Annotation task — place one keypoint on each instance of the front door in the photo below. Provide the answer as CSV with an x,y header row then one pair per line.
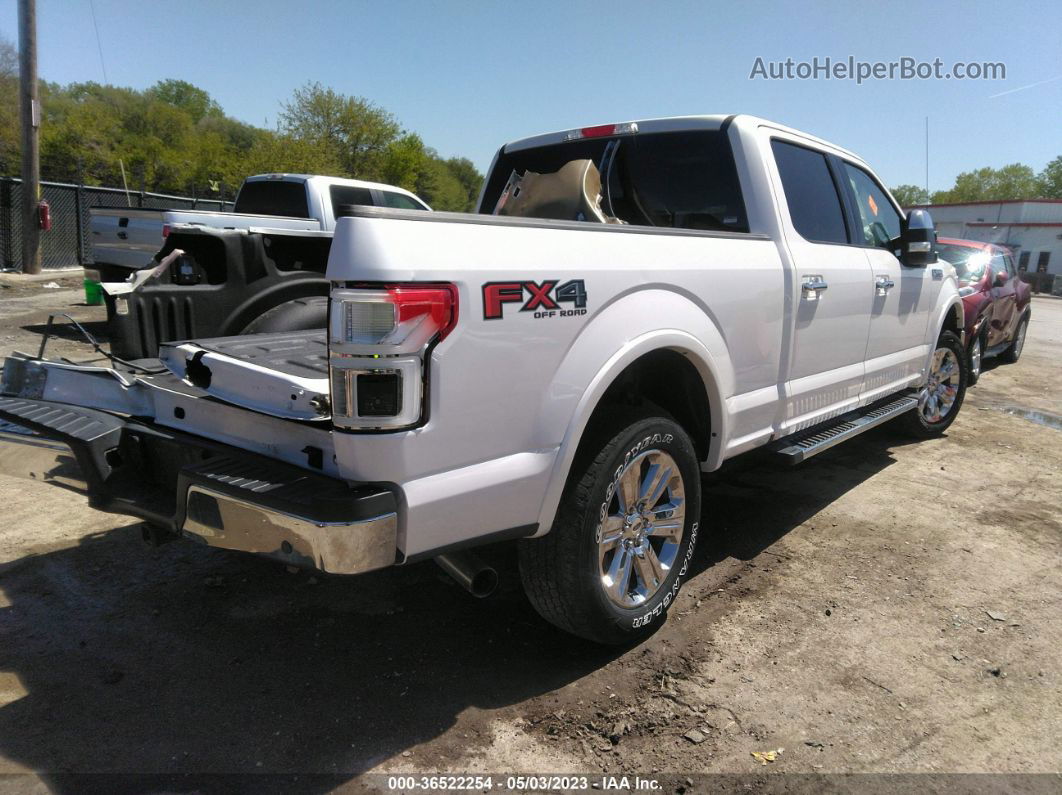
x,y
902,296
831,293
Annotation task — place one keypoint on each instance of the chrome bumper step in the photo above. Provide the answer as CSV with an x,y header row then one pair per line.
x,y
800,447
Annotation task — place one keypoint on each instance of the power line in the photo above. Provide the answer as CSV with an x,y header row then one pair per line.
x,y
99,46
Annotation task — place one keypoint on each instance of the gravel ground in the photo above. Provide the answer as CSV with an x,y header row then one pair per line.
x,y
889,607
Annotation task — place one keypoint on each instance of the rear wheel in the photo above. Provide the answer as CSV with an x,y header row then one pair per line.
x,y
940,398
625,531
1013,353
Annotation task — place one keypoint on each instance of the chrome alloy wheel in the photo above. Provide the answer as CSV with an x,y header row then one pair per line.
x,y
937,397
975,357
639,539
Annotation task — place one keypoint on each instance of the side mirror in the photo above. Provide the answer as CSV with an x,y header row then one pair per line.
x,y
917,240
1001,278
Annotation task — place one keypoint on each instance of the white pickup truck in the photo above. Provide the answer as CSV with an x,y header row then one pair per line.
x,y
632,305
125,239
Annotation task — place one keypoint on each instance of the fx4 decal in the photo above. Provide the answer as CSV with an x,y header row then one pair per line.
x,y
538,298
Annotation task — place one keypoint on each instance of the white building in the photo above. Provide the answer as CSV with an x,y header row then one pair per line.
x,y
1031,227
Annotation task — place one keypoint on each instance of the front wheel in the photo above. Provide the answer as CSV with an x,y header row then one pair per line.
x,y
625,531
974,361
940,398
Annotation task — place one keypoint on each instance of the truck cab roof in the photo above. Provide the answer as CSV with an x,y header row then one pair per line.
x,y
667,124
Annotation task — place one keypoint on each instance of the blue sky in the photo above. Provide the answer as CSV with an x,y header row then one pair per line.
x,y
469,76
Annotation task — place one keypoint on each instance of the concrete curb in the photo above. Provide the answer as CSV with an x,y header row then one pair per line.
x,y
15,279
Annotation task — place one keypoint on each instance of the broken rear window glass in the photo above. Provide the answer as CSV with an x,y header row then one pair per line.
x,y
683,180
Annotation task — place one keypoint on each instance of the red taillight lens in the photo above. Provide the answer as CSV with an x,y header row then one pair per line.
x,y
165,231
413,303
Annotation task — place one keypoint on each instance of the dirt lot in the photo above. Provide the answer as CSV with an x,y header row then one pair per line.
x,y
889,608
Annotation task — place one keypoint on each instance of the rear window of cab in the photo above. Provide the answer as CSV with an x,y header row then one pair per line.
x,y
679,180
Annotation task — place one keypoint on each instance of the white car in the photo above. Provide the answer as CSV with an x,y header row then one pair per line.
x,y
632,305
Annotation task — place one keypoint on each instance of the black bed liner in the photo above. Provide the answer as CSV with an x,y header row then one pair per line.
x,y
298,353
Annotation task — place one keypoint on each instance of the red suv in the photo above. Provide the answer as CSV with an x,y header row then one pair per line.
x,y
995,299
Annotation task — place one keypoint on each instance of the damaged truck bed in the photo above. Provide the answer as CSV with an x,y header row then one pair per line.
x,y
159,428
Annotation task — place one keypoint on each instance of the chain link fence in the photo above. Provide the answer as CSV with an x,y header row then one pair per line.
x,y
68,244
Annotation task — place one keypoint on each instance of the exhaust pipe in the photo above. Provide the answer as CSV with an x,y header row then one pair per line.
x,y
470,573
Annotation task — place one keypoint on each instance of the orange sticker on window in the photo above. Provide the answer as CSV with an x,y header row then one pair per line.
x,y
873,204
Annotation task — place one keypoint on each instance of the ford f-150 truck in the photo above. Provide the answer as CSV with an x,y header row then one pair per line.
x,y
125,239
632,305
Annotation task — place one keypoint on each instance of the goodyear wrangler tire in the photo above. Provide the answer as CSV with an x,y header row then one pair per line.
x,y
625,531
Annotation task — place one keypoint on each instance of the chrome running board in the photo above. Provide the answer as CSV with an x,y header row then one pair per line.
x,y
798,448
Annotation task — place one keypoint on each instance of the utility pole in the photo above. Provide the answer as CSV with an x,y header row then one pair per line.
x,y
30,117
927,160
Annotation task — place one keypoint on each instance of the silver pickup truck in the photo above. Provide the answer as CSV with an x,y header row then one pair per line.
x,y
125,239
633,305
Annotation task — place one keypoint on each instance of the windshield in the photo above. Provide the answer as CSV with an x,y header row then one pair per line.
x,y
969,262
684,180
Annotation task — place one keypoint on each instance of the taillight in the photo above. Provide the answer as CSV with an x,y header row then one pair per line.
x,y
165,231
399,319
378,338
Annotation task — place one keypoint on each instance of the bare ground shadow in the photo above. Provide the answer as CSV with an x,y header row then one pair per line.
x,y
185,667
64,329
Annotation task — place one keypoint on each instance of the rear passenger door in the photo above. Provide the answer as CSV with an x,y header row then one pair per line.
x,y
901,298
832,289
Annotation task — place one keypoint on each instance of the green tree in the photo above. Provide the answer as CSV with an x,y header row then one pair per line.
x,y
1050,180
910,195
356,131
468,175
437,185
404,161
194,101
9,128
281,152
1015,181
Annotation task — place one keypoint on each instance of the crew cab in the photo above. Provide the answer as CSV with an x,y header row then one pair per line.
x,y
632,305
126,239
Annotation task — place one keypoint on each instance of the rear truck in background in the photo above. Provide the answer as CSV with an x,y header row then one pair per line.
x,y
631,306
126,239
174,274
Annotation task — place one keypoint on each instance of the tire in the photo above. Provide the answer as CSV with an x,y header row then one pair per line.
x,y
974,359
297,315
565,573
934,414
1013,351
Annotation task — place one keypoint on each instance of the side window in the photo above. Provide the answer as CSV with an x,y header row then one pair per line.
x,y
348,194
881,222
998,266
1008,259
810,193
400,201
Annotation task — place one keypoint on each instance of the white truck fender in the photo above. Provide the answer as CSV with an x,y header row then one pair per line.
x,y
949,306
584,374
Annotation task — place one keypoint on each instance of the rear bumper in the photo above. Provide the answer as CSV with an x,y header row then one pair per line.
x,y
204,491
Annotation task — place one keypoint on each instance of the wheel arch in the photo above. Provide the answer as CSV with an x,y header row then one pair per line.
x,y
261,301
700,370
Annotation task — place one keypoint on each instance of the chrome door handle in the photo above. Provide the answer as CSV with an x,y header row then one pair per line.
x,y
883,284
811,286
